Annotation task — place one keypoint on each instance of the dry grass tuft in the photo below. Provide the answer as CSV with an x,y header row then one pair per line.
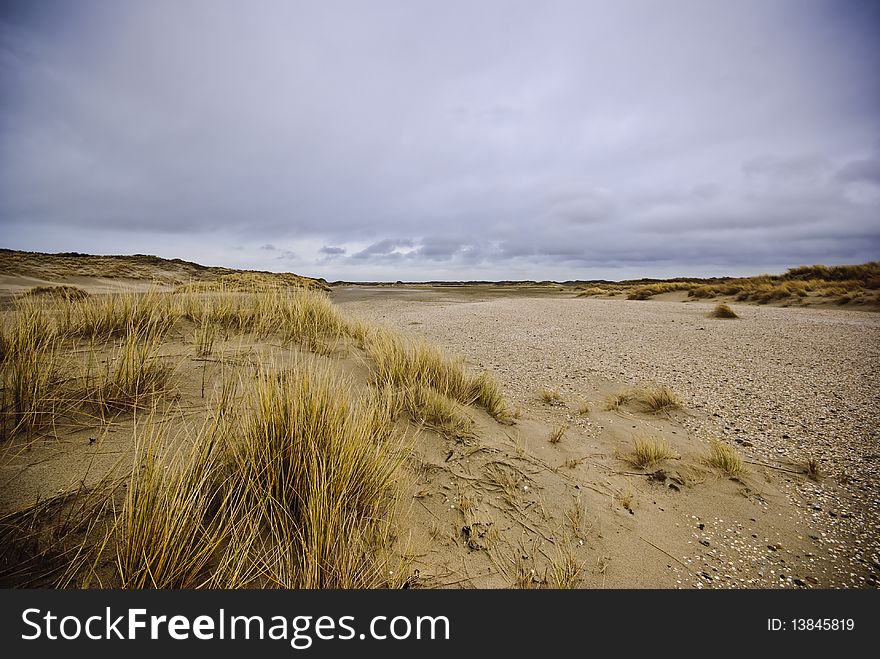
x,y
615,401
558,433
812,468
405,364
583,408
649,451
551,396
318,475
657,400
565,571
722,310
439,412
61,292
30,385
135,374
725,459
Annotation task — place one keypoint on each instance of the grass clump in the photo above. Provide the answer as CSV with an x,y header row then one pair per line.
x,y
291,483
722,310
616,400
725,459
591,291
551,396
174,519
812,468
583,408
557,434
649,451
134,374
204,337
657,400
61,292
403,363
648,291
30,385
437,411
317,474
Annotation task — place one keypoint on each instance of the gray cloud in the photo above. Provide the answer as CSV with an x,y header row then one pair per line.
x,y
447,140
867,170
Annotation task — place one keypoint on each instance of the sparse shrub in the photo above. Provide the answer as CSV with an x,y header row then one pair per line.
x,y
583,408
551,396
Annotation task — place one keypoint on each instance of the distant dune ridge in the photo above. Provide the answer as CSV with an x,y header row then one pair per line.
x,y
802,286
136,266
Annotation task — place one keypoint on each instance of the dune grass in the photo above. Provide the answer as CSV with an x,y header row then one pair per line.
x,y
294,476
558,433
722,310
812,468
657,400
725,459
551,396
134,374
437,411
63,292
293,486
618,399
318,470
30,384
648,291
648,451
406,363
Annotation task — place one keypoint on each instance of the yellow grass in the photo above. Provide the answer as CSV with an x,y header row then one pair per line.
x,y
407,363
722,310
437,411
725,459
30,388
616,400
133,374
293,478
551,396
649,451
657,400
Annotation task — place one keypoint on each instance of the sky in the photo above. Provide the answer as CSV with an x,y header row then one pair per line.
x,y
457,140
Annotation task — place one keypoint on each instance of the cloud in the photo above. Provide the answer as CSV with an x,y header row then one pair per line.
x,y
867,170
387,248
539,140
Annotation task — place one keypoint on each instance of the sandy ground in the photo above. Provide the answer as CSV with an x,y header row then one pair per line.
x,y
779,383
505,507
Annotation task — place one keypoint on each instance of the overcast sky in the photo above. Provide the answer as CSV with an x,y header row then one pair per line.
x,y
445,140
